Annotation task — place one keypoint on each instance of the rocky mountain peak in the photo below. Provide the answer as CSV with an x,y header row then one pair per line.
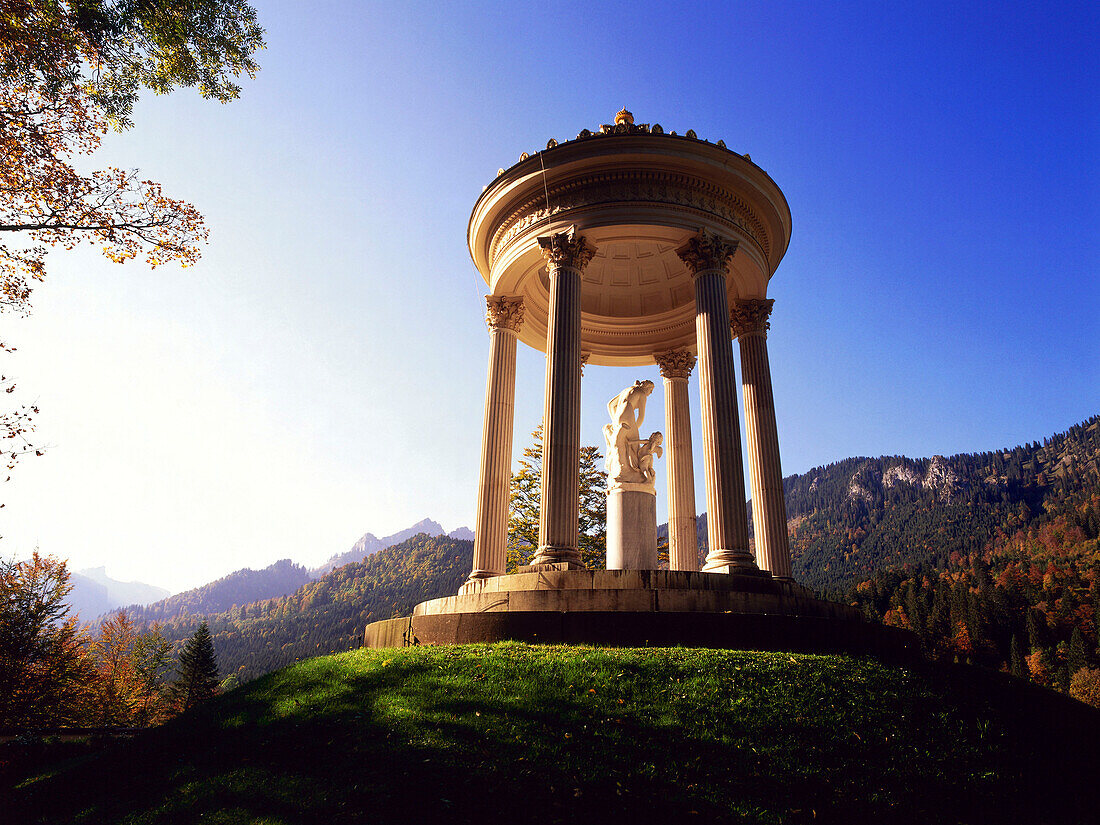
x,y
941,479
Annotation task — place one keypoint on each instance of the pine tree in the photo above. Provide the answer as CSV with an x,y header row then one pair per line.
x,y
1077,656
1016,664
198,670
1036,632
525,498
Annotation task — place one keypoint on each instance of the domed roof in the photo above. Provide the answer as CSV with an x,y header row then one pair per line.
x,y
637,194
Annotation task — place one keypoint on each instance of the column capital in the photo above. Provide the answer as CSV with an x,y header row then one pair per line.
x,y
707,251
504,312
566,249
677,363
750,317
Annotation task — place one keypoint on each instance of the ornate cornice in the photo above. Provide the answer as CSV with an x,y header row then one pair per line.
x,y
677,363
624,125
707,251
504,312
632,186
750,316
566,249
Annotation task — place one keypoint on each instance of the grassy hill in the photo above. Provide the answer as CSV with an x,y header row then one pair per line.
x,y
559,734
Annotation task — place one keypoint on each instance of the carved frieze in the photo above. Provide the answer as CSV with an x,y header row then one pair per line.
x,y
677,363
632,187
504,312
750,316
566,249
707,251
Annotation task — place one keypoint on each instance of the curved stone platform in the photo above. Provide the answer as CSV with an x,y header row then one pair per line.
x,y
642,608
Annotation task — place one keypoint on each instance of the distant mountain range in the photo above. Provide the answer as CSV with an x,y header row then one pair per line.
x,y
95,593
369,544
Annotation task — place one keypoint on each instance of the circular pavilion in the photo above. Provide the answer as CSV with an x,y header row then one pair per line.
x,y
632,246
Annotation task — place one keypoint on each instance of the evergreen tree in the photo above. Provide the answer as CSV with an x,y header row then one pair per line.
x,y
1077,657
198,670
1036,632
1016,664
525,498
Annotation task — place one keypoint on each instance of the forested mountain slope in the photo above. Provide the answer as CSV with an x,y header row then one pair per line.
x,y
854,518
242,587
370,543
991,558
329,614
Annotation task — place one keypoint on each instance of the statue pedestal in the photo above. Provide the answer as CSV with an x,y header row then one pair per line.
x,y
632,527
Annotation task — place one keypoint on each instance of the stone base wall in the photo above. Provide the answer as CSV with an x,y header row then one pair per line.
x,y
637,608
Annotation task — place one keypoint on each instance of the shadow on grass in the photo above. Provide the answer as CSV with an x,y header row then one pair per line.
x,y
582,735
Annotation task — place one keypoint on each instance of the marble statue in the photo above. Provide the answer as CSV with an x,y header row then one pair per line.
x,y
629,456
647,451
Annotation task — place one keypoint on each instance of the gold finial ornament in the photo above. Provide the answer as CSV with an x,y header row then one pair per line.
x,y
624,117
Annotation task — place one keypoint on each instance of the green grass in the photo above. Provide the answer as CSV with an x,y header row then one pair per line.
x,y
573,734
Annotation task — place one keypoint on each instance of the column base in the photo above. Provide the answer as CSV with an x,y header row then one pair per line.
x,y
551,565
481,575
740,562
549,554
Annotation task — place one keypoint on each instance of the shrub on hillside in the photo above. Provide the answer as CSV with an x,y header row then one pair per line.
x,y
1085,686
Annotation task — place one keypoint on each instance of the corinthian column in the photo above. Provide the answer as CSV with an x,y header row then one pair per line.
x,y
707,256
504,316
749,321
566,256
683,543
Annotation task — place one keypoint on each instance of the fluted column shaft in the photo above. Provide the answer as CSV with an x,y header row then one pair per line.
x,y
750,324
727,524
504,316
566,255
683,541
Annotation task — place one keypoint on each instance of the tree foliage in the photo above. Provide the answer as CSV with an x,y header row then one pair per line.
x,y
1085,686
69,71
15,426
129,689
525,498
151,661
54,673
44,668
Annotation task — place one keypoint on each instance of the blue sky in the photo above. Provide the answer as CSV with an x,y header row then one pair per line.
x,y
321,372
